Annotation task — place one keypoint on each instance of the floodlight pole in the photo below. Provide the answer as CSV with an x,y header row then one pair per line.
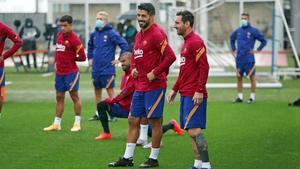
x,y
86,17
273,64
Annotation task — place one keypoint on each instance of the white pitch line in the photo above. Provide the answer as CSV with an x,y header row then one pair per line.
x,y
47,74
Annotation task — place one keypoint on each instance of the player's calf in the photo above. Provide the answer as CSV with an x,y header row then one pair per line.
x,y
202,150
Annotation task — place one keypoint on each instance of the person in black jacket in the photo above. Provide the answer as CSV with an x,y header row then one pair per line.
x,y
29,33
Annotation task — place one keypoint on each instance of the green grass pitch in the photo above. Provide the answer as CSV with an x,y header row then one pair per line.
x,y
264,135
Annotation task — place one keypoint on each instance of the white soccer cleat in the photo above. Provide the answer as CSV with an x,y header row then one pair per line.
x,y
76,128
141,142
53,127
149,145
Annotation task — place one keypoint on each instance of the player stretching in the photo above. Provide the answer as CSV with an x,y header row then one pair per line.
x,y
68,50
191,84
6,32
152,58
119,106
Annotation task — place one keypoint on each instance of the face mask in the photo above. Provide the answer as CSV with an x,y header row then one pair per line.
x,y
244,22
99,23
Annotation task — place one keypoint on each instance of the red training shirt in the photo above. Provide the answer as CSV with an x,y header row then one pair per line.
x,y
152,52
7,32
124,98
68,50
194,67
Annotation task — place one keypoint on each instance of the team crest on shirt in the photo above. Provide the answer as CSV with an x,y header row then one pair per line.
x,y
105,38
66,42
145,42
184,50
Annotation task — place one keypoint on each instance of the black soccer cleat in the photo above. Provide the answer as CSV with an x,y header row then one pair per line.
x,y
122,162
150,163
238,100
94,118
250,101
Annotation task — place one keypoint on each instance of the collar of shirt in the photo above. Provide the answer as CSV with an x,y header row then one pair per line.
x,y
189,35
149,29
66,35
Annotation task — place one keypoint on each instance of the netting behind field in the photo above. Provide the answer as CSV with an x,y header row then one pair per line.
x,y
221,21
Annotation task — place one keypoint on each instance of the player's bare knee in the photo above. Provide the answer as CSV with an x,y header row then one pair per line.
x,y
155,122
133,122
60,97
194,132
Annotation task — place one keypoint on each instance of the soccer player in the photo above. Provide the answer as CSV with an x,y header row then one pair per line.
x,y
119,106
246,35
191,84
68,50
152,56
101,54
6,32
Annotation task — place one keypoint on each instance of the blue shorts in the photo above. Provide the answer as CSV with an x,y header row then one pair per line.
x,y
118,111
245,68
2,78
148,104
198,120
103,81
68,82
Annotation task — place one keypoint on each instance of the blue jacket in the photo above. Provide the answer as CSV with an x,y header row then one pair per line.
x,y
246,37
102,48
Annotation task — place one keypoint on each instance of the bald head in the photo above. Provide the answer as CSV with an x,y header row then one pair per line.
x,y
125,60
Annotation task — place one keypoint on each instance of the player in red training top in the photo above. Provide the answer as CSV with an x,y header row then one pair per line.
x,y
6,32
191,84
152,57
68,50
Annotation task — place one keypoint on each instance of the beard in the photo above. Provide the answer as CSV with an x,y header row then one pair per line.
x,y
179,32
143,24
125,68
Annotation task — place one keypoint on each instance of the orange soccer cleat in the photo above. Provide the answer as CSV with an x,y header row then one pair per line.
x,y
104,136
176,127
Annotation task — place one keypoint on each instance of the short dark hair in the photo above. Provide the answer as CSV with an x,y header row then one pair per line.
x,y
66,18
186,16
246,14
147,7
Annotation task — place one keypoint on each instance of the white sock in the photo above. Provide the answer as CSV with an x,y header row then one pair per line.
x,y
240,95
198,164
206,165
96,113
144,132
252,96
57,120
77,120
129,150
154,153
